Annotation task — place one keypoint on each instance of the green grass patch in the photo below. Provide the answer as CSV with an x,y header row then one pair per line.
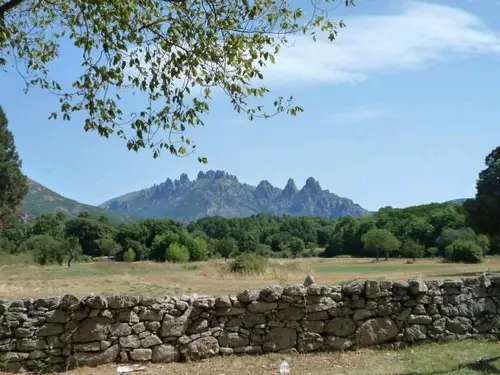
x,y
372,268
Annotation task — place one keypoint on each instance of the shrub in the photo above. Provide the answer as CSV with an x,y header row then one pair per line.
x,y
177,253
296,246
412,249
129,255
249,263
45,249
307,253
464,251
432,251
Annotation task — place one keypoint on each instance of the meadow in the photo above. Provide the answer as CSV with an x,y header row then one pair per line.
x,y
212,277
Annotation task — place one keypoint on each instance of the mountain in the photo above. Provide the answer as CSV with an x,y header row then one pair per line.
x,y
457,201
41,200
217,193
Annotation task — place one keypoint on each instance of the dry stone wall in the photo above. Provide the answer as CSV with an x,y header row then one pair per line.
x,y
64,332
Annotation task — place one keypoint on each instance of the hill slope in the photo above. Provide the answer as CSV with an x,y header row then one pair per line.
x,y
217,193
41,200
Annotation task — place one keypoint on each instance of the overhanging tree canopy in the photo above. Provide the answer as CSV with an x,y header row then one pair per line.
x,y
173,51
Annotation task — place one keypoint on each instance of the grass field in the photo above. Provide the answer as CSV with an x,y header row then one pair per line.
x,y
146,278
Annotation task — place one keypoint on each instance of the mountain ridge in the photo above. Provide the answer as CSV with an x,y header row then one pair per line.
x,y
219,193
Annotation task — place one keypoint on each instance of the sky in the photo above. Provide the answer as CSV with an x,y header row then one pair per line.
x,y
400,110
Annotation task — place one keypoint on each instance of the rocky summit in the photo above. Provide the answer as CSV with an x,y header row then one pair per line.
x,y
217,193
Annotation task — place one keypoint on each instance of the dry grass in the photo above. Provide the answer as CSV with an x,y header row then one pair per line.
x,y
146,278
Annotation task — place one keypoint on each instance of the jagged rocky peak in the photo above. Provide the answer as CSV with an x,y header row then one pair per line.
x,y
290,188
312,186
184,178
216,175
264,190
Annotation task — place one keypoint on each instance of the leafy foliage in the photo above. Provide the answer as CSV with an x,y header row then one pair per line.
x,y
464,251
171,53
13,183
129,256
248,263
380,240
177,253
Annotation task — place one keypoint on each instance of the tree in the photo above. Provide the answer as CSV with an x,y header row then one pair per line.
x,y
13,183
45,249
227,247
108,246
172,52
377,240
129,256
177,253
464,251
483,212
72,247
296,246
412,249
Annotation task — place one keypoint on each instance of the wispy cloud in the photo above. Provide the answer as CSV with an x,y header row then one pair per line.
x,y
359,115
417,35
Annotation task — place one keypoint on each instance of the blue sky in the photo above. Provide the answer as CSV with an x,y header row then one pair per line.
x,y
400,110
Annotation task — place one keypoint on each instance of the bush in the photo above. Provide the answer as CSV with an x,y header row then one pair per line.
x,y
464,251
129,255
412,249
249,263
432,251
45,249
177,253
307,253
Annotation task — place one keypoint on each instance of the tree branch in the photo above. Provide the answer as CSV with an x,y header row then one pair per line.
x,y
4,8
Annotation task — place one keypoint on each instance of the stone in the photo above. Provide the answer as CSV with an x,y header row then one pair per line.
x,y
94,359
128,316
131,341
324,303
308,281
202,348
249,350
321,315
56,316
50,329
151,340
419,319
248,295
250,320
338,343
291,314
199,325
141,355
314,326
153,326
174,326
23,332
363,314
415,333
279,339
122,302
260,307
417,285
92,329
376,331
139,328
354,287
226,351
96,302
120,329
26,344
372,289
296,290
459,325
14,357
342,327
232,340
67,301
151,315
165,353
88,347
37,354
309,341
271,293
229,311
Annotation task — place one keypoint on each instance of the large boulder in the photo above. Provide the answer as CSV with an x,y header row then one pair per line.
x,y
376,331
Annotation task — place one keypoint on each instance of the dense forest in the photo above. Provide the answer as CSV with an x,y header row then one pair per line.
x,y
458,232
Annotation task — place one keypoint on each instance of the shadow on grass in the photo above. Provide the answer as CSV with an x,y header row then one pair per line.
x,y
481,366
